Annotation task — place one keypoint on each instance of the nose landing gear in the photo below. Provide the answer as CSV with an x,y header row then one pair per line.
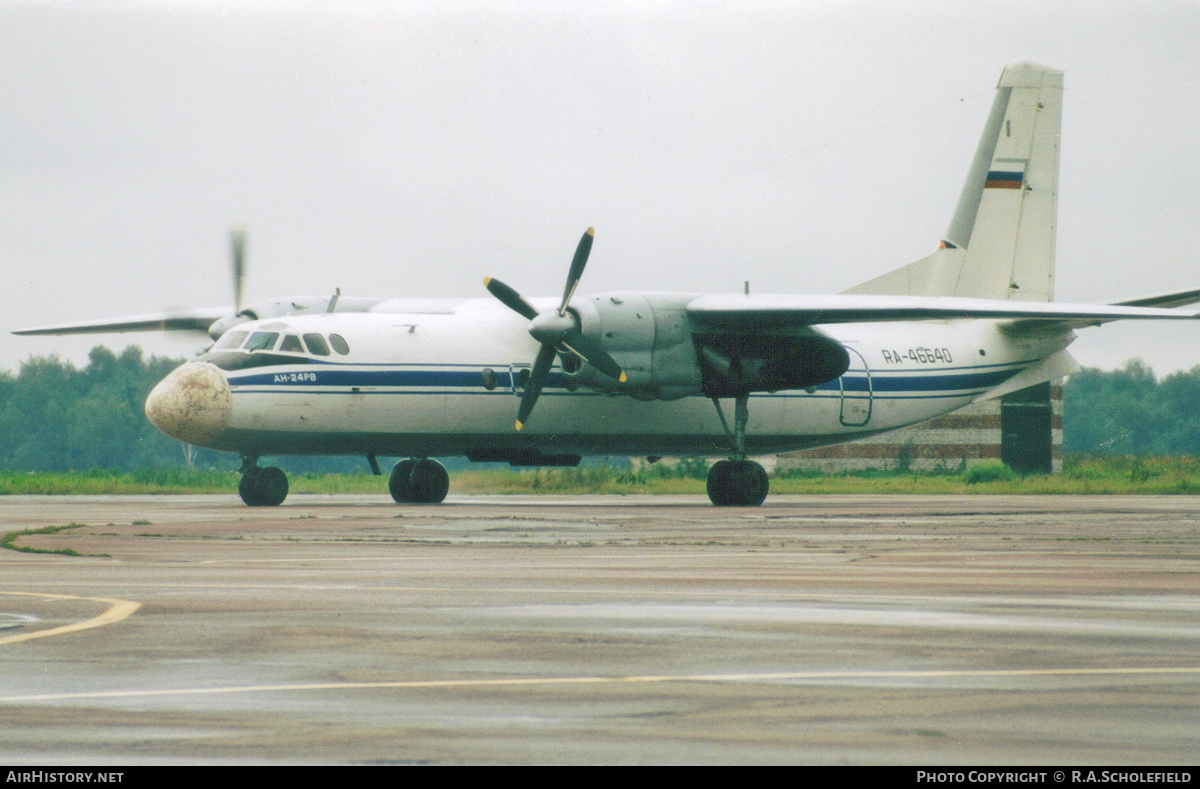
x,y
422,481
262,487
737,481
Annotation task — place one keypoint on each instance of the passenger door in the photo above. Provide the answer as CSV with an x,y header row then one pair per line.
x,y
855,385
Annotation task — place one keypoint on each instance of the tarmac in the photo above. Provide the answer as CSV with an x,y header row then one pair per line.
x,y
899,630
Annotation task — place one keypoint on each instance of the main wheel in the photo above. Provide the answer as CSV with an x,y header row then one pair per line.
x,y
429,482
720,483
398,481
751,483
737,483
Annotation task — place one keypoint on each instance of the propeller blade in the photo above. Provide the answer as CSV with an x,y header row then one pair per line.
x,y
556,332
510,297
533,387
237,242
577,264
593,354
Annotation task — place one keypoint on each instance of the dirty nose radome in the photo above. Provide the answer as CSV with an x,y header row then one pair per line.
x,y
192,404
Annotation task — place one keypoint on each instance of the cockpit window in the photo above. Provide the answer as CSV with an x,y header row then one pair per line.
x,y
232,339
262,341
339,344
237,360
291,344
316,345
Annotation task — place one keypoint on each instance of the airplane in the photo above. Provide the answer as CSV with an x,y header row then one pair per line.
x,y
548,381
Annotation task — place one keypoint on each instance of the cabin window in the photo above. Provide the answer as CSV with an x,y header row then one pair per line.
x,y
316,345
339,344
291,344
232,339
489,378
262,341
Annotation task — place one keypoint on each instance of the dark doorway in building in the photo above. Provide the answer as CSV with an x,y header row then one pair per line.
x,y
1026,424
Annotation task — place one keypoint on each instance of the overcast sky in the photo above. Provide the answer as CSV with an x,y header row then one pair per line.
x,y
410,149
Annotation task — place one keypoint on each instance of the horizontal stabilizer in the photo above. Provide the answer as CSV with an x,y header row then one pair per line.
x,y
1051,368
743,312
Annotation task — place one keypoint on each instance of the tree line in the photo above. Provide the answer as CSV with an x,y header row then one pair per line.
x,y
57,417
1131,412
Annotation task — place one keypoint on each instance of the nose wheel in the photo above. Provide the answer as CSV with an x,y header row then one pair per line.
x,y
737,481
423,481
263,487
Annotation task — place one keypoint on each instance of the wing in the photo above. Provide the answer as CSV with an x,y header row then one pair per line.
x,y
202,320
734,311
189,320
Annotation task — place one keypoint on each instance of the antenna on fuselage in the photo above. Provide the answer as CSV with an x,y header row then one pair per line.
x,y
333,300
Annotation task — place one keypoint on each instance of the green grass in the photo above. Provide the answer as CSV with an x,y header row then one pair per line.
x,y
101,481
9,541
1085,475
167,481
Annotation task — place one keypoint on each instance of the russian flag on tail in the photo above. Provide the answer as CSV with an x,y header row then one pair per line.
x,y
1006,174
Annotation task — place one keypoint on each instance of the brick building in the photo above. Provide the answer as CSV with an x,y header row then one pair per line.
x,y
1024,429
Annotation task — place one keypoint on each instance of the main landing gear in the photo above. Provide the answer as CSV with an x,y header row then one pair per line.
x,y
734,483
737,481
422,481
262,487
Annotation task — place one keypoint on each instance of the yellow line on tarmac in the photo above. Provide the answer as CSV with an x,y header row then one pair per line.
x,y
655,678
118,610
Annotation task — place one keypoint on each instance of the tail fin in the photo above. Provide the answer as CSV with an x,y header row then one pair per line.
x,y
1000,243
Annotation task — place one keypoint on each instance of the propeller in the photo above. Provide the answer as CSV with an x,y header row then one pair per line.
x,y
237,243
237,259
213,322
556,330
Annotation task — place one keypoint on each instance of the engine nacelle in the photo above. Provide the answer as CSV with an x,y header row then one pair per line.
x,y
737,364
666,355
650,337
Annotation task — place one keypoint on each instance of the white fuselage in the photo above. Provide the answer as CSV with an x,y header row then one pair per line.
x,y
413,384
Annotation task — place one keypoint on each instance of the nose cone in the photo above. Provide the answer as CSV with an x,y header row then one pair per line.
x,y
192,404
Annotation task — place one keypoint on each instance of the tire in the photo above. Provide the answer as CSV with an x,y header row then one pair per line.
x,y
429,482
247,487
720,483
272,486
398,481
750,483
734,483
263,487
